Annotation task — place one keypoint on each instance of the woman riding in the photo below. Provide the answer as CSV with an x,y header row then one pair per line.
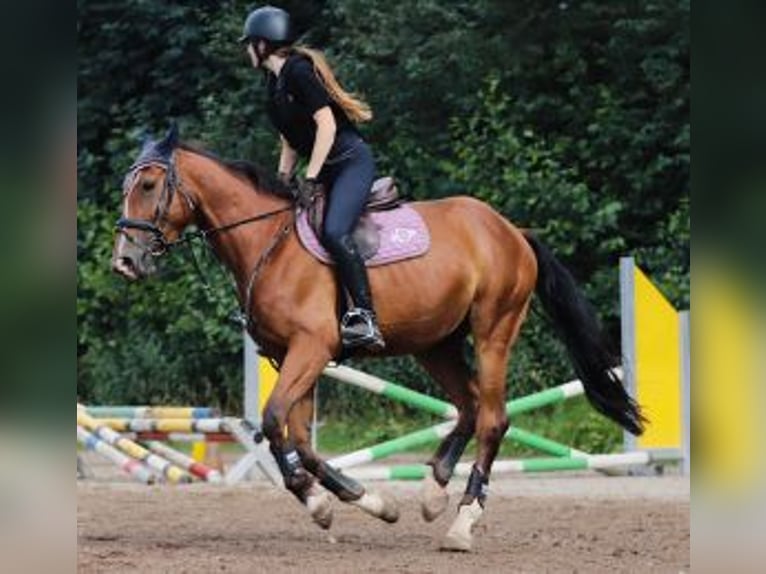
x,y
315,117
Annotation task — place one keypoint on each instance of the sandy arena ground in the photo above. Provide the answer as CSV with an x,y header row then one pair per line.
x,y
580,522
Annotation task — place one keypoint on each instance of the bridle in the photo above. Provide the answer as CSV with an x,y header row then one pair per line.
x,y
159,244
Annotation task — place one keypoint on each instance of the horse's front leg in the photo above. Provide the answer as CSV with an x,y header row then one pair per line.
x,y
317,500
300,369
345,488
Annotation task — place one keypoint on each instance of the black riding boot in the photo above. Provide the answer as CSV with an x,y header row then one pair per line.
x,y
359,327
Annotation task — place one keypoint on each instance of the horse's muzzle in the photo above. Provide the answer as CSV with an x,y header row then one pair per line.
x,y
132,262
125,266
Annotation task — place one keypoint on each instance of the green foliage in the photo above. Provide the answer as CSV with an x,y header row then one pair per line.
x,y
570,118
668,262
523,177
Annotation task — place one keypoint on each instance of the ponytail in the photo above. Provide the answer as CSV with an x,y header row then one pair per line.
x,y
356,109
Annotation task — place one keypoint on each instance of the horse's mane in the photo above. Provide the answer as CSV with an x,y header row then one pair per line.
x,y
255,175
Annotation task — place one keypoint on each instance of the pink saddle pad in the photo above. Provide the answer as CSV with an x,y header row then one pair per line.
x,y
403,235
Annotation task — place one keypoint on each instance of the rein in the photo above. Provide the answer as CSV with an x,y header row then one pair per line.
x,y
160,245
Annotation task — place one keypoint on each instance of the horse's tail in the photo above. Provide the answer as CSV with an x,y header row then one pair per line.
x,y
577,325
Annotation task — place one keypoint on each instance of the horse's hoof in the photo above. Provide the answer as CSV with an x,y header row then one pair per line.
x,y
433,499
459,537
456,542
390,512
379,505
320,508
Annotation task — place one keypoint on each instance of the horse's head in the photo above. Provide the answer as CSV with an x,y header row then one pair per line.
x,y
155,209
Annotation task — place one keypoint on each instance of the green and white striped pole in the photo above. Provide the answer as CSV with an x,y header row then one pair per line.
x,y
441,408
393,446
438,432
391,390
593,462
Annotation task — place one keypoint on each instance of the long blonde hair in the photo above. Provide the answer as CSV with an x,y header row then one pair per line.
x,y
356,109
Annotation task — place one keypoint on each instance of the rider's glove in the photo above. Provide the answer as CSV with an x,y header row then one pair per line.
x,y
306,191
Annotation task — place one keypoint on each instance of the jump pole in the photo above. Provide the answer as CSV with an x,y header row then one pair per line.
x,y
239,431
441,408
592,462
186,462
199,426
180,424
147,412
199,449
181,437
390,390
161,466
131,466
438,432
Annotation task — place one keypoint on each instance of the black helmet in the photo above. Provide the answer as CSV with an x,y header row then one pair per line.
x,y
268,23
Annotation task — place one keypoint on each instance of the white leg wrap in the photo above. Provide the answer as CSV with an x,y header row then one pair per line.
x,y
319,504
433,499
459,535
378,505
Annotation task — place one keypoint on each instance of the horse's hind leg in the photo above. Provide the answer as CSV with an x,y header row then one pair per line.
x,y
447,365
345,488
493,339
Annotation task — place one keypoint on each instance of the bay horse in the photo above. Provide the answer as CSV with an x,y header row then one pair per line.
x,y
476,281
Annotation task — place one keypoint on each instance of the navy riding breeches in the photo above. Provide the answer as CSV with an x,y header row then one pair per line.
x,y
348,175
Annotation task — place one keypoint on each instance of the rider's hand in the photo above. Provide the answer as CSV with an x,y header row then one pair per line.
x,y
307,189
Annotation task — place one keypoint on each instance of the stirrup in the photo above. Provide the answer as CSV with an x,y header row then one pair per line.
x,y
358,328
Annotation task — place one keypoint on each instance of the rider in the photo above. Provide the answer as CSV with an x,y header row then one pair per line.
x,y
315,117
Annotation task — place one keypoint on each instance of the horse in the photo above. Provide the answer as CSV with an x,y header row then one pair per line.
x,y
476,280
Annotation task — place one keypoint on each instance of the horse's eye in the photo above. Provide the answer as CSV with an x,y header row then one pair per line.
x,y
148,184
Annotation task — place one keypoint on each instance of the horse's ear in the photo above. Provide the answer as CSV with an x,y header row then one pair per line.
x,y
173,133
170,141
144,138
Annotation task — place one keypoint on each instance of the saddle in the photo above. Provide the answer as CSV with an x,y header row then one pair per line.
x,y
389,229
384,195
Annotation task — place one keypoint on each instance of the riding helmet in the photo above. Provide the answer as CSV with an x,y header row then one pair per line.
x,y
267,23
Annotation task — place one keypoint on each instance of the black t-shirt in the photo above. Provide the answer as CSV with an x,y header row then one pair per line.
x,y
294,97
